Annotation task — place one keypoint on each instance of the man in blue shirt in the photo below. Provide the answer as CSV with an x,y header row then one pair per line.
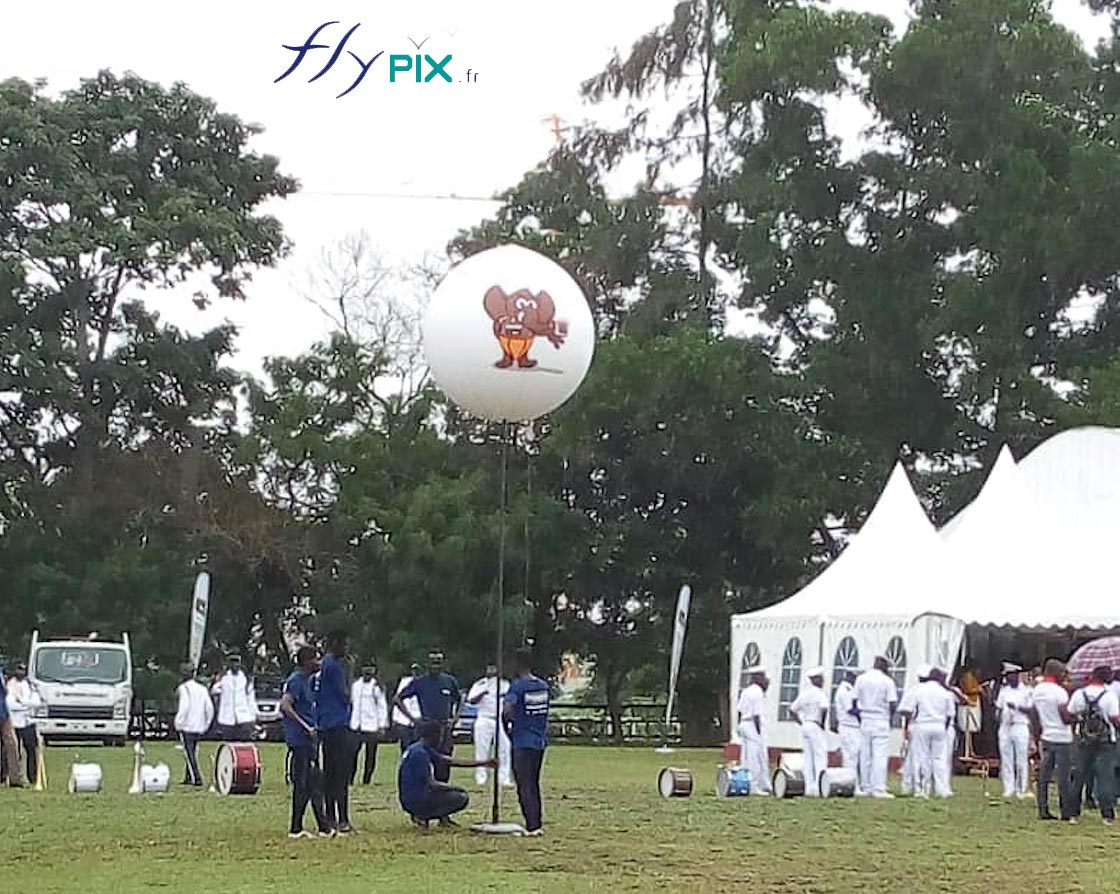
x,y
525,713
423,796
333,713
439,698
298,708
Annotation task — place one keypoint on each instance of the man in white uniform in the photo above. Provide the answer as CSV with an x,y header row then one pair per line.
x,y
403,727
752,731
847,725
193,717
810,709
908,784
369,719
876,698
1013,709
237,703
932,704
22,699
482,695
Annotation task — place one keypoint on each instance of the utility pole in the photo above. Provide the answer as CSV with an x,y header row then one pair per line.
x,y
557,130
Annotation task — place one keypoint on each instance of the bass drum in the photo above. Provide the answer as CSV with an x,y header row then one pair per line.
x,y
733,782
788,783
237,770
673,782
838,782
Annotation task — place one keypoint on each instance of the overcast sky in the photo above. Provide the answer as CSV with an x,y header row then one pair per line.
x,y
472,137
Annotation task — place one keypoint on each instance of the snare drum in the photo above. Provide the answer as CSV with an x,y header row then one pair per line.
x,y
155,780
733,782
838,782
85,779
788,783
673,782
237,770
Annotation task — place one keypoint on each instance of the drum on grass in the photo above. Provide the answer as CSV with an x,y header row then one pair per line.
x,y
838,782
673,782
85,779
788,783
733,782
237,771
155,780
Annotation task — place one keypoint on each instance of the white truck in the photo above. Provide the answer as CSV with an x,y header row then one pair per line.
x,y
84,687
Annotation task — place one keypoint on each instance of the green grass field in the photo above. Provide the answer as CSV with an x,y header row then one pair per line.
x,y
606,828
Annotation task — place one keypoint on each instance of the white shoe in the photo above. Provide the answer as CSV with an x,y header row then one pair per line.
x,y
1025,796
885,796
761,793
295,836
860,793
922,796
507,784
536,833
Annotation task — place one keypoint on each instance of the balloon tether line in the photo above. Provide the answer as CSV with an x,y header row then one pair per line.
x,y
499,599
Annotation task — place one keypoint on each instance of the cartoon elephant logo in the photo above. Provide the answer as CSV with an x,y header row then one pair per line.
x,y
519,319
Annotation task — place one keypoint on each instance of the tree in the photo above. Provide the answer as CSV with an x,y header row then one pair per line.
x,y
114,427
115,188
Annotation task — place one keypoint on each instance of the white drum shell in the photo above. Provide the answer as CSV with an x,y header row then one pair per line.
x,y
838,782
155,779
85,779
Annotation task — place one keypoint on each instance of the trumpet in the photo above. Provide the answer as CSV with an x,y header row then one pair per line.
x,y
40,763
138,753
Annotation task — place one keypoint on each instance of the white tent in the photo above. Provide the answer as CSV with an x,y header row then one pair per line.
x,y
877,598
1031,556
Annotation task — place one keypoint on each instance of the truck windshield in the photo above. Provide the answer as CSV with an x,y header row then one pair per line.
x,y
80,664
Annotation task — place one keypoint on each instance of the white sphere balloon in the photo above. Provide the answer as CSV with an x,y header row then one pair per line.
x,y
509,335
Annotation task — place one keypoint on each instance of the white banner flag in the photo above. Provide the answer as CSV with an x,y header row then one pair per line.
x,y
200,608
680,622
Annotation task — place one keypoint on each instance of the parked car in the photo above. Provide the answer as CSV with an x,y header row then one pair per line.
x,y
270,689
463,731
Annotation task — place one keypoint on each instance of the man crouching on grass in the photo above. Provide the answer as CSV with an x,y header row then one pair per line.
x,y
423,797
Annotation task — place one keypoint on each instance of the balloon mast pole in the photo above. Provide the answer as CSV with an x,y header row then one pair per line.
x,y
499,605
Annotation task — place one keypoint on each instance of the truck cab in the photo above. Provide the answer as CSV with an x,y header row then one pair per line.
x,y
84,687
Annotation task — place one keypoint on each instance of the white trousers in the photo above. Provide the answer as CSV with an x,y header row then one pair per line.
x,y
1014,768
484,728
909,781
814,746
950,753
874,754
851,741
927,744
752,755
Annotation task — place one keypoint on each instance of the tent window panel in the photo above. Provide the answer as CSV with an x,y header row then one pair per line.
x,y
752,657
846,659
791,678
896,660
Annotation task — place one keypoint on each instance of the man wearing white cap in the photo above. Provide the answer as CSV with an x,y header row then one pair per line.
x,y
1013,708
752,732
875,699
810,709
847,725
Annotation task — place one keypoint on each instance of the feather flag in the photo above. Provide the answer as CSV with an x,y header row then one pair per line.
x,y
680,623
200,609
